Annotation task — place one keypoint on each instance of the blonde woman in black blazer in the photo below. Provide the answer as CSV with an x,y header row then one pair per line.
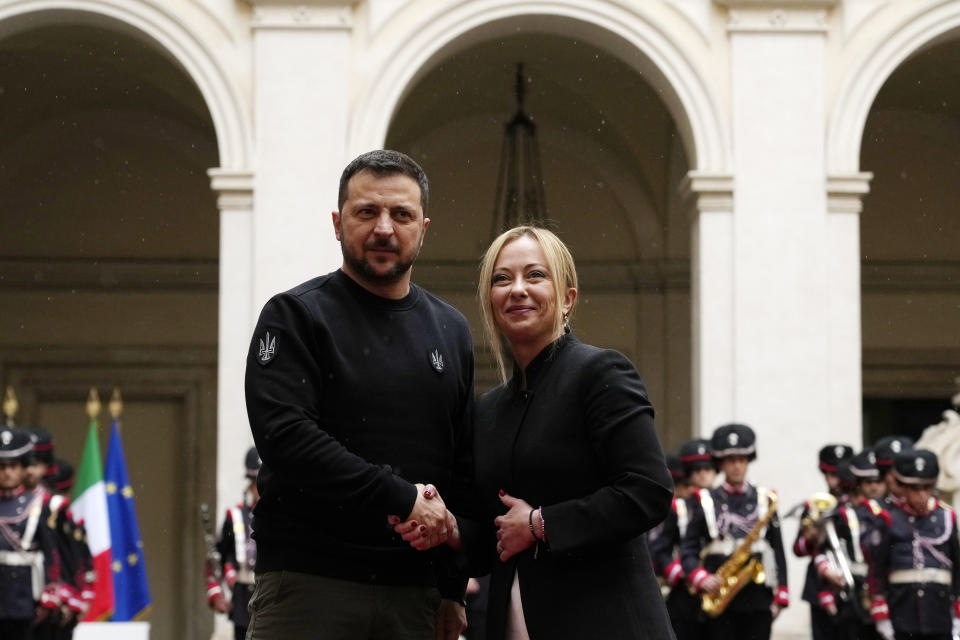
x,y
569,469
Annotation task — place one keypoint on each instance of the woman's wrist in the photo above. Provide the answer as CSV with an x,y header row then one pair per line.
x,y
537,525
453,532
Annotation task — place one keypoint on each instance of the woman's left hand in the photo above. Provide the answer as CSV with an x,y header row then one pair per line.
x,y
513,528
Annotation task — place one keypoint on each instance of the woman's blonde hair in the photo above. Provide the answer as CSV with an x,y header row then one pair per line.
x,y
563,275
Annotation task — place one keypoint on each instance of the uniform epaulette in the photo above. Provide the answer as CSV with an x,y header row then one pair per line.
x,y
875,507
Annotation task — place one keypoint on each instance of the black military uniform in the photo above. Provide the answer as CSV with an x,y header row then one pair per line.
x,y
914,559
238,555
76,590
720,519
28,560
816,592
61,531
684,608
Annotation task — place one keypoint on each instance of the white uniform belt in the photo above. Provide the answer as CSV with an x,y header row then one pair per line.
x,y
20,558
859,569
727,546
906,576
245,576
31,559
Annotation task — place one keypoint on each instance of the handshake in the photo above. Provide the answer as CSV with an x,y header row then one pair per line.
x,y
429,524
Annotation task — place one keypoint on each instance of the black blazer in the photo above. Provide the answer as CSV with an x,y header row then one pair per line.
x,y
574,434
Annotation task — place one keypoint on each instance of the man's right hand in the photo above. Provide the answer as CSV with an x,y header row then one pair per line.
x,y
427,525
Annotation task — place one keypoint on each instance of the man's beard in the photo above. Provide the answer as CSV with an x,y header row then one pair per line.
x,y
360,266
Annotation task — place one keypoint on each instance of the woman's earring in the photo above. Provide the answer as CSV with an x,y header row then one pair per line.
x,y
566,322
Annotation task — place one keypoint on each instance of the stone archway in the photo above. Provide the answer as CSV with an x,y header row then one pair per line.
x,y
646,37
111,259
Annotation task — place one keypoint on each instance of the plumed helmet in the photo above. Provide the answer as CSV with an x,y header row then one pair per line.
x,y
696,454
888,448
916,467
42,444
734,440
252,463
677,471
864,465
15,445
832,454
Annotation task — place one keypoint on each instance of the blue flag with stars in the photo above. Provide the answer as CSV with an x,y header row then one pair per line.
x,y
131,592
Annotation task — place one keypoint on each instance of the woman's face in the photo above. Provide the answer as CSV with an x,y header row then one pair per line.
x,y
522,294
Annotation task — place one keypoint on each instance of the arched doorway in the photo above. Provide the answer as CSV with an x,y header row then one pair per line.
x,y
613,160
110,255
909,231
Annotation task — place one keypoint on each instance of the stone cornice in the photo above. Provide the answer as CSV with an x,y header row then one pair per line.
x,y
707,192
36,274
234,188
778,16
302,14
845,192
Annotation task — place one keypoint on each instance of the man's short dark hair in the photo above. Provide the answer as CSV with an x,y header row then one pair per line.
x,y
385,162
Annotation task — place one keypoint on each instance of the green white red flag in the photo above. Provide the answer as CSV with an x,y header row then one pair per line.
x,y
90,507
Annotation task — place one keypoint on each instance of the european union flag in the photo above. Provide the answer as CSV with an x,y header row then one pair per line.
x,y
131,592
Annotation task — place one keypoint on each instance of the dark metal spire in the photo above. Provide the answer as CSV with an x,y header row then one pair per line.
x,y
519,196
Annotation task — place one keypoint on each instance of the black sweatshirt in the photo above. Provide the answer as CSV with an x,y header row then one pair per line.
x,y
352,398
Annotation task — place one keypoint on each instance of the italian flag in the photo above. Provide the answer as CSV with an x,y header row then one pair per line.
x,y
90,507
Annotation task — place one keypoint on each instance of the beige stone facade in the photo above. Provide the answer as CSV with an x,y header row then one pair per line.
x,y
760,196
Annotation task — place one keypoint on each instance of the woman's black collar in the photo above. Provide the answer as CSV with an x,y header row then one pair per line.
x,y
524,379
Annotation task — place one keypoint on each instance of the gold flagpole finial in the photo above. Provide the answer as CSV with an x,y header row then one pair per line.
x,y
93,404
10,405
116,404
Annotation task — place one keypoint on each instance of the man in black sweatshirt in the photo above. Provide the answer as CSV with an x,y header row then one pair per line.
x,y
359,388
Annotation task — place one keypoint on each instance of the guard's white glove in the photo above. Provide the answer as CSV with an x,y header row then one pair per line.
x,y
956,627
885,629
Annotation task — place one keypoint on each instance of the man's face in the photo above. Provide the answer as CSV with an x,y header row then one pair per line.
x,y
833,482
703,477
893,487
873,489
381,227
34,474
11,475
734,468
918,497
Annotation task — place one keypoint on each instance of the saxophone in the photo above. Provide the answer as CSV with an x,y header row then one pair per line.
x,y
740,568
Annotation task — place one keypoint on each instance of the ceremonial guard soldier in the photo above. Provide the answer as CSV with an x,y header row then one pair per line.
x,y
692,471
82,577
886,449
733,549
238,554
913,557
822,578
28,562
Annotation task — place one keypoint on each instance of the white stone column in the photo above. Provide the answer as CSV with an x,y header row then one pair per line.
x,y
843,288
301,70
236,317
710,198
791,295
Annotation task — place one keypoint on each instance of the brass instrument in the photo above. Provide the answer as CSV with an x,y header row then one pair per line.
x,y
210,541
740,568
